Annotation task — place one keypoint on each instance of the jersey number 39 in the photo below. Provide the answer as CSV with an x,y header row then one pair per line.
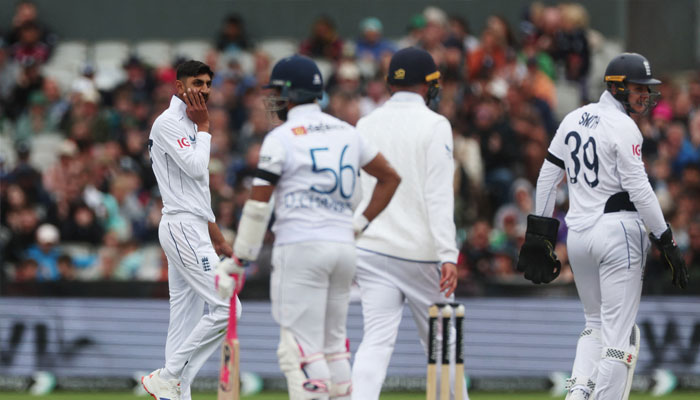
x,y
589,157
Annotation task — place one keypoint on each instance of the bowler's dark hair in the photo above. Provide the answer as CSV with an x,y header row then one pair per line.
x,y
193,68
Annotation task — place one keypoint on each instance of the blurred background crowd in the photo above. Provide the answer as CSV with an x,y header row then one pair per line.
x,y
79,202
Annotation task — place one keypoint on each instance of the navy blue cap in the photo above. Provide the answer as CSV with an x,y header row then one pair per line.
x,y
411,66
298,78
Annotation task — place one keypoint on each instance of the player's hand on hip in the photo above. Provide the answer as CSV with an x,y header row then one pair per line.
x,y
537,259
197,109
671,257
448,278
359,224
224,282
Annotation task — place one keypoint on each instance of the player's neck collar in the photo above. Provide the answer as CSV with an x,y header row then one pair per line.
x,y
411,97
303,109
607,98
176,103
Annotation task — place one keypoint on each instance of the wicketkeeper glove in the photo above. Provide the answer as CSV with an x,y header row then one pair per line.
x,y
225,284
537,257
671,256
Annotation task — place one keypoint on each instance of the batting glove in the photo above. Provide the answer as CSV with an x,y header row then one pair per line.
x,y
671,257
224,282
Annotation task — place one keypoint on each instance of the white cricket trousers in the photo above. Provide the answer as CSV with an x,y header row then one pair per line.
x,y
192,335
310,294
608,265
386,283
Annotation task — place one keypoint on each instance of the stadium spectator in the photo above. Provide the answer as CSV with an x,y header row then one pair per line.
x,y
371,44
29,80
46,252
232,37
324,41
414,34
27,12
29,44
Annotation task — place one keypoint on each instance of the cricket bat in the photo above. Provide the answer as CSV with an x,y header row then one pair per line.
x,y
229,375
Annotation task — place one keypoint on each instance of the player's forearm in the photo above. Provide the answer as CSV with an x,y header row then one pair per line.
x,y
646,203
381,196
547,182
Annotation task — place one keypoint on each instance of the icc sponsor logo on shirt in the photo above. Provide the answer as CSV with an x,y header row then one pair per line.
x,y
636,150
183,143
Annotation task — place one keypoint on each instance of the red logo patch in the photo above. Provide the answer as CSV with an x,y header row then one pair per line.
x,y
183,143
299,130
629,358
636,150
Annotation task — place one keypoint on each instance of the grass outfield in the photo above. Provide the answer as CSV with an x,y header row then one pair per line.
x,y
283,396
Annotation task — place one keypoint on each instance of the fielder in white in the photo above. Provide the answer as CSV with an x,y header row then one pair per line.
x,y
612,205
408,253
179,145
310,165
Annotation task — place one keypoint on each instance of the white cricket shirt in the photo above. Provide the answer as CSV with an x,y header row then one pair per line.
x,y
313,159
600,148
180,161
418,224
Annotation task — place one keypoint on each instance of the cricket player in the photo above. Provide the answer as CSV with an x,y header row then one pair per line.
x,y
310,164
612,206
408,253
179,146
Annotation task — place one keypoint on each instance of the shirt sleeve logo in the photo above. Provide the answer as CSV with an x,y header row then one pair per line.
x,y
636,150
299,130
183,143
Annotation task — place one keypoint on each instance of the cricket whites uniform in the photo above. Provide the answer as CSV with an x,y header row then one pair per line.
x,y
180,157
402,250
598,148
313,160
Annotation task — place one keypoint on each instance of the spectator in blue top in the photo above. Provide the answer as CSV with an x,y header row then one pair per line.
x,y
371,44
46,252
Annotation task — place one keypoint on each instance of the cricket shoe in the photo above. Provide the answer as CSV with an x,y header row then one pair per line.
x,y
578,394
159,388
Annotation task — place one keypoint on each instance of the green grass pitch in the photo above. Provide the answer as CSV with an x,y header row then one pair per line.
x,y
283,396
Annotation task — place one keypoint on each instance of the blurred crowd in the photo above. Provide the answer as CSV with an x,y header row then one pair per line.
x,y
94,213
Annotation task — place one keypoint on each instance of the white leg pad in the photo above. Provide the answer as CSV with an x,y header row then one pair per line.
x,y
635,341
583,384
293,364
341,375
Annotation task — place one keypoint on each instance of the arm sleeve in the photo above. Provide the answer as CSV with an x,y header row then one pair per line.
x,y
367,150
634,180
550,176
272,158
439,192
192,158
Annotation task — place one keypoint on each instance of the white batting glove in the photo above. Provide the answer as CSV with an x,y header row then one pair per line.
x,y
359,224
225,284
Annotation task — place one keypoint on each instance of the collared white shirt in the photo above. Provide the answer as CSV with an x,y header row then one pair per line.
x,y
599,147
313,159
180,161
418,224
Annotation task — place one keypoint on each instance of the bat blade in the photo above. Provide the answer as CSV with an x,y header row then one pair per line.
x,y
229,378
229,374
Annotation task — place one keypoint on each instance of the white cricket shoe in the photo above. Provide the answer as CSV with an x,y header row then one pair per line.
x,y
578,394
159,388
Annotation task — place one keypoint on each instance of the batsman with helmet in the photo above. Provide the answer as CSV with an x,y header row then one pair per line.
x,y
597,148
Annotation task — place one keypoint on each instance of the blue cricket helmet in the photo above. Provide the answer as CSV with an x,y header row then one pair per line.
x,y
298,79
